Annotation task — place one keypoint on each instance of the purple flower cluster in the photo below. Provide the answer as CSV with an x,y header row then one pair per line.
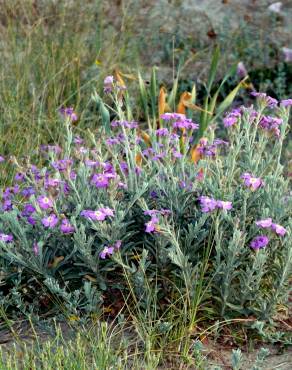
x,y
45,202
178,121
56,149
154,154
210,204
102,180
265,99
251,181
152,225
271,124
185,124
232,117
126,124
69,113
99,215
259,242
110,249
268,224
173,116
162,132
50,221
210,150
286,103
62,164
66,227
119,139
6,238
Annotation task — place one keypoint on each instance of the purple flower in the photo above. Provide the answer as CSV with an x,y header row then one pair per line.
x,y
108,84
151,212
266,99
45,202
7,205
50,221
69,113
260,241
35,248
28,210
224,205
122,185
56,149
107,211
66,227
108,80
99,215
241,70
232,117
209,150
19,177
2,159
138,170
7,193
287,54
6,238
101,180
265,224
27,192
66,188
106,252
207,204
252,182
272,124
31,220
172,116
16,189
177,154
151,226
158,156
91,163
117,244
162,132
280,230
126,124
112,141
77,140
185,124
62,164
286,103
51,183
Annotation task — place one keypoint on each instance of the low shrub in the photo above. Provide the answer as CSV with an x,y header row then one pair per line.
x,y
147,220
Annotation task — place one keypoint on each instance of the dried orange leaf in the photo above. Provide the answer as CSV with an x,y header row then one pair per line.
x,y
161,101
56,261
119,78
195,107
90,278
185,96
138,159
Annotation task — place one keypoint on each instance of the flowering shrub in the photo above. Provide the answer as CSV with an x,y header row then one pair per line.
x,y
119,208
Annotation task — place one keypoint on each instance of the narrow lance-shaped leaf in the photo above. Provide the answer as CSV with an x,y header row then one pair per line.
x,y
228,100
103,111
153,92
143,96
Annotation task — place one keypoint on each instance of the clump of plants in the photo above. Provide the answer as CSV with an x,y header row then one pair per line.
x,y
167,221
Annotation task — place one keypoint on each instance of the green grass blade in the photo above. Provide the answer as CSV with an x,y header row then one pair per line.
x,y
143,96
213,68
153,93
